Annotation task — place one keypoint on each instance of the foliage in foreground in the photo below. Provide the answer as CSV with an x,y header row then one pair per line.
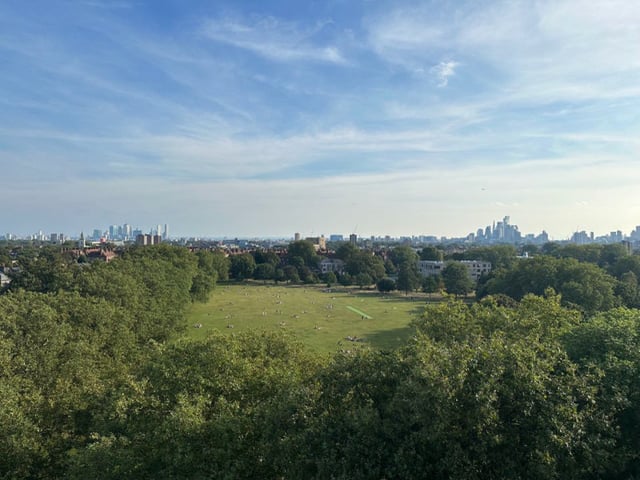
x,y
90,388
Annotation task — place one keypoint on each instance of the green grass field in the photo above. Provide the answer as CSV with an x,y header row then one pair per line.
x,y
320,318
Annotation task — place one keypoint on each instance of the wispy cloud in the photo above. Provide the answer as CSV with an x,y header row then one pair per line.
x,y
566,48
274,39
443,71
536,101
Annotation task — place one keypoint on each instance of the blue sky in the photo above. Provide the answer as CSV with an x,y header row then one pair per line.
x,y
266,118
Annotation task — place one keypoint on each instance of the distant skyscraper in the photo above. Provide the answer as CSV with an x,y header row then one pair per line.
x,y
165,234
353,239
296,237
126,231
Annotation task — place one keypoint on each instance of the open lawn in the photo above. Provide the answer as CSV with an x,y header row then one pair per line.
x,y
323,319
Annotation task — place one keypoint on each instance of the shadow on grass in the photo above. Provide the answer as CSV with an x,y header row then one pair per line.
x,y
390,339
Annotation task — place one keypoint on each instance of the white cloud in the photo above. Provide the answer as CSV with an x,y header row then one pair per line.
x,y
443,71
273,39
559,49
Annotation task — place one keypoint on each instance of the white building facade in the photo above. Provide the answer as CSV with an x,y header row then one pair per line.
x,y
430,268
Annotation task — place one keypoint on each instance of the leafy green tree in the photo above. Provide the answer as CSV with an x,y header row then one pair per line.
x,y
45,270
346,251
607,350
63,353
363,280
5,256
403,254
291,274
431,253
279,275
629,263
206,276
586,285
389,267
386,285
408,278
307,275
627,289
582,253
242,266
432,284
262,256
305,250
330,278
611,254
580,284
264,271
456,279
213,409
500,256
221,263
366,262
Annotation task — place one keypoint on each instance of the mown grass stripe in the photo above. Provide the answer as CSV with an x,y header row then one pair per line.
x,y
359,312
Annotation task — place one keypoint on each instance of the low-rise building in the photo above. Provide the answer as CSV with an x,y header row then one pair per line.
x,y
319,243
430,268
334,265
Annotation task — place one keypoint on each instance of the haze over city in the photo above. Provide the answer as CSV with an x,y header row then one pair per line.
x,y
267,118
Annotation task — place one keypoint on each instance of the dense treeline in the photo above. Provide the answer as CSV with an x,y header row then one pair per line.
x,y
592,278
94,384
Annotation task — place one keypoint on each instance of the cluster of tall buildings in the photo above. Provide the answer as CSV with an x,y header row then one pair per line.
x,y
126,233
504,232
583,238
114,233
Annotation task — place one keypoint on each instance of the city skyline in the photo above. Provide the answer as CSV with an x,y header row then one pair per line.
x,y
498,231
395,117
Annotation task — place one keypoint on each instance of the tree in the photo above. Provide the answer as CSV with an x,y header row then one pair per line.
x,y
580,284
363,280
403,254
221,264
264,271
345,279
432,284
205,279
366,262
262,256
306,251
627,289
500,256
408,278
291,274
346,251
43,271
279,275
630,263
242,266
386,285
330,278
431,253
456,279
389,267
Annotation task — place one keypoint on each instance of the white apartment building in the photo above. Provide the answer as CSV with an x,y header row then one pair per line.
x,y
429,268
331,265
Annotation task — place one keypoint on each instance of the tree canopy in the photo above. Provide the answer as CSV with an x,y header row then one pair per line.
x,y
96,382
